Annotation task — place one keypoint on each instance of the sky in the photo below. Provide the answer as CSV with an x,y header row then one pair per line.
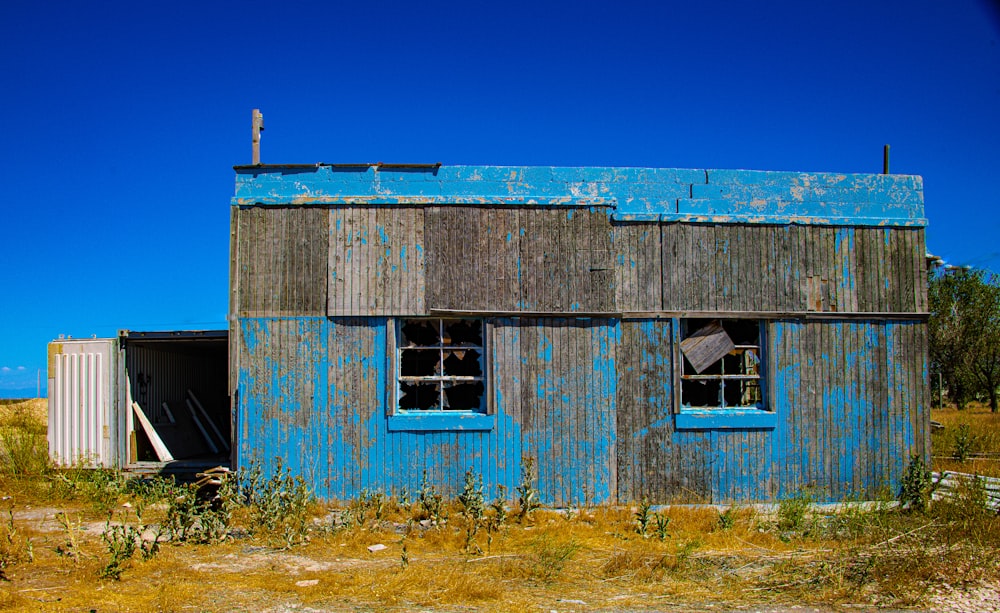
x,y
120,122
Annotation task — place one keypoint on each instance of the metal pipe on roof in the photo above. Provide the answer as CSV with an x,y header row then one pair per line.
x,y
258,127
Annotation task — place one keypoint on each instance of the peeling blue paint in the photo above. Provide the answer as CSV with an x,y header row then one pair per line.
x,y
706,196
319,391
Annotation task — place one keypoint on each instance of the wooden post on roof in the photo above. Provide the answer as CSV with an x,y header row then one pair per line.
x,y
258,127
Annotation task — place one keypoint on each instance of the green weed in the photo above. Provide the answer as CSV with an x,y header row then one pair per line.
x,y
14,548
430,502
915,486
278,505
792,511
965,444
527,495
473,504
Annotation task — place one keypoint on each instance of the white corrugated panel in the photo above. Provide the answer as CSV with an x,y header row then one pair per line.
x,y
83,429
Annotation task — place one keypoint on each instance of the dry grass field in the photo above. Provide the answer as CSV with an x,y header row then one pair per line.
x,y
267,547
981,440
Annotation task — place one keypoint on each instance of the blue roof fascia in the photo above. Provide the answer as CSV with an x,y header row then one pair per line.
x,y
630,194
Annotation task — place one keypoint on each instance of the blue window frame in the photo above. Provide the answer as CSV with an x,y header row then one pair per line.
x,y
440,375
721,367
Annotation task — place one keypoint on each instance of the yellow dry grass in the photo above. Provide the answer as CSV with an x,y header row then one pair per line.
x,y
586,559
556,561
35,408
984,428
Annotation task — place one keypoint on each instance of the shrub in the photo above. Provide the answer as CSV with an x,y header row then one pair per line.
x,y
792,511
915,487
120,540
527,495
473,507
727,519
965,444
430,501
277,505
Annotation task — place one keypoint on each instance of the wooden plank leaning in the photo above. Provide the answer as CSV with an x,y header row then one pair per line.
x,y
210,421
161,450
204,432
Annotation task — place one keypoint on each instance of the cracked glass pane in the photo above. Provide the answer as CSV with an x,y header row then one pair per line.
x,y
420,363
420,396
462,363
464,396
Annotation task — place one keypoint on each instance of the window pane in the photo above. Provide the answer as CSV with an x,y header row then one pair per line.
x,y
468,333
420,396
419,363
701,393
464,396
462,363
743,332
420,333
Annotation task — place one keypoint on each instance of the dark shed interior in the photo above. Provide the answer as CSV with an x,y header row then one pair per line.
x,y
179,382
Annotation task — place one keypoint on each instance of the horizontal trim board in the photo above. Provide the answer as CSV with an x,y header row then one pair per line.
x,y
767,220
796,315
732,419
793,220
440,422
769,315
270,167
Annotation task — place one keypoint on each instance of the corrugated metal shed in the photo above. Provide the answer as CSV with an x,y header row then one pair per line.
x,y
93,384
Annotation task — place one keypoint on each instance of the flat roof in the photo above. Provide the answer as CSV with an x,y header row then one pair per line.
x,y
628,194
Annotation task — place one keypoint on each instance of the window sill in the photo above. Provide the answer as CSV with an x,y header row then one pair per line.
x,y
725,419
411,422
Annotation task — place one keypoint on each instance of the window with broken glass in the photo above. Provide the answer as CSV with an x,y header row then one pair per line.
x,y
440,365
721,364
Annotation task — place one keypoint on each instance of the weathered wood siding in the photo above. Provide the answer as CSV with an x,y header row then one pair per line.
x,y
568,393
639,273
657,461
849,397
590,401
519,259
787,268
365,261
318,396
281,261
376,261
848,403
316,393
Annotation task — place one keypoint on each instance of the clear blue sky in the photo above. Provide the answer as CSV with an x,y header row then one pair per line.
x,y
119,123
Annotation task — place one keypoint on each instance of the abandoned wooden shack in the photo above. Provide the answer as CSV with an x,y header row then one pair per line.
x,y
703,336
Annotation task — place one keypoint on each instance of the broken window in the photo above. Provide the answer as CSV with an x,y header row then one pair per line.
x,y
441,365
721,364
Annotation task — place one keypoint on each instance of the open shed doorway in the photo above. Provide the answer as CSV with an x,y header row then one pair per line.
x,y
177,390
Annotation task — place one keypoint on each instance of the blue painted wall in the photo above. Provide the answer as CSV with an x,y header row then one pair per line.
x,y
591,402
589,399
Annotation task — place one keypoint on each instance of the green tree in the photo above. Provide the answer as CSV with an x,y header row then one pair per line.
x,y
965,333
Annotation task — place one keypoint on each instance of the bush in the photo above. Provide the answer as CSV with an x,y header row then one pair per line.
x,y
965,444
792,511
915,487
277,505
